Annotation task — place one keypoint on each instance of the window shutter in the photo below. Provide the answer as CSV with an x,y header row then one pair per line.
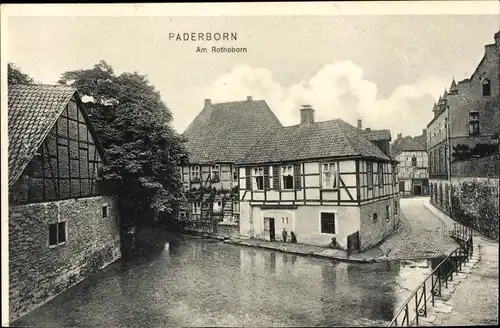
x,y
247,178
297,176
266,177
276,177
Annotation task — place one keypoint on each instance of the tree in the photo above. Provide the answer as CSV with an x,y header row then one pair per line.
x,y
143,150
16,76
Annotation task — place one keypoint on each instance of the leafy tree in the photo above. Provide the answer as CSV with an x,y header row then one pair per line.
x,y
16,76
143,150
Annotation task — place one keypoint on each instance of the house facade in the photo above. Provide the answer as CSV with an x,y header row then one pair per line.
x,y
61,228
465,129
411,154
321,180
219,136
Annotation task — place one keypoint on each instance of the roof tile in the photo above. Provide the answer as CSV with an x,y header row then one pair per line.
x,y
32,111
334,138
224,132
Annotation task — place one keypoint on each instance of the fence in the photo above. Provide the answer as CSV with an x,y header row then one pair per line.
x,y
417,303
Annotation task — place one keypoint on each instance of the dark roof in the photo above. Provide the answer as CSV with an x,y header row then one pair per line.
x,y
224,132
328,139
408,144
376,135
32,112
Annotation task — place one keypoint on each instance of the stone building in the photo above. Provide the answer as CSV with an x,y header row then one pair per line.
x,y
320,180
61,229
462,137
219,136
413,175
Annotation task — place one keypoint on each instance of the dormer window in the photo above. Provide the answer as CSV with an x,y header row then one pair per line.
x,y
486,88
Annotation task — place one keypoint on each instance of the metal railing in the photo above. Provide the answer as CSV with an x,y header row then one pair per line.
x,y
416,305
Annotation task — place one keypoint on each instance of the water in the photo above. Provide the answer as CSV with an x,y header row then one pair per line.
x,y
205,283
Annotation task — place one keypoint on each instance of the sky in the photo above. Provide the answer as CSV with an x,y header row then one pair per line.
x,y
384,69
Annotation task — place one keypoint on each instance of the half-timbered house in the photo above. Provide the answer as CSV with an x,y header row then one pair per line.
x,y
319,180
61,228
219,136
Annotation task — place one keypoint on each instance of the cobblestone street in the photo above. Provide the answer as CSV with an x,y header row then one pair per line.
x,y
421,234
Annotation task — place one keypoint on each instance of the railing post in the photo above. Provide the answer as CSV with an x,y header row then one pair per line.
x,y
432,288
416,307
407,312
425,300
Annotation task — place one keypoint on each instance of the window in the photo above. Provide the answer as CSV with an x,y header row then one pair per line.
x,y
57,233
258,178
414,161
217,206
195,173
215,173
380,174
104,211
235,174
375,217
369,172
287,177
284,220
401,185
486,88
387,213
394,175
329,176
473,123
197,208
236,207
328,223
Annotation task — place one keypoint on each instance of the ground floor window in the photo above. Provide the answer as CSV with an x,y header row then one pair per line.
x,y
328,222
57,233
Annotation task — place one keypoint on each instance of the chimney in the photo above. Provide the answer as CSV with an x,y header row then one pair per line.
x,y
400,135
424,132
208,103
360,124
306,114
249,98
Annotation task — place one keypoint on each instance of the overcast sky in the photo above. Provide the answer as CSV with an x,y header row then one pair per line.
x,y
386,70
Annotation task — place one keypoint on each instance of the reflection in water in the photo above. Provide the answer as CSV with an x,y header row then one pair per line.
x,y
202,283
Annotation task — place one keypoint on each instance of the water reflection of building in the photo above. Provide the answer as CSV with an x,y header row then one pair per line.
x,y
373,285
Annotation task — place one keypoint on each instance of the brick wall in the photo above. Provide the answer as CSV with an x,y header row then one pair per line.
x,y
374,231
38,272
477,167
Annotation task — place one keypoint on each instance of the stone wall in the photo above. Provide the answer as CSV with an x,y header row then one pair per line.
x,y
373,231
474,202
37,271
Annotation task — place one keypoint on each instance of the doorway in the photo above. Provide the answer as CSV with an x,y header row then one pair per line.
x,y
269,229
417,190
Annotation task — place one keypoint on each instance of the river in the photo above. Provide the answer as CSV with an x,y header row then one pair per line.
x,y
206,283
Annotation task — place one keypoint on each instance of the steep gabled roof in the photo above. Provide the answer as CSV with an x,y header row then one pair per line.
x,y
224,132
32,112
408,144
327,139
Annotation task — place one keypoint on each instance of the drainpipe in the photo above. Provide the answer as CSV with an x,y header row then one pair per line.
x,y
448,162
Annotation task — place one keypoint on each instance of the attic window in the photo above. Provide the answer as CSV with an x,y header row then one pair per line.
x,y
486,88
